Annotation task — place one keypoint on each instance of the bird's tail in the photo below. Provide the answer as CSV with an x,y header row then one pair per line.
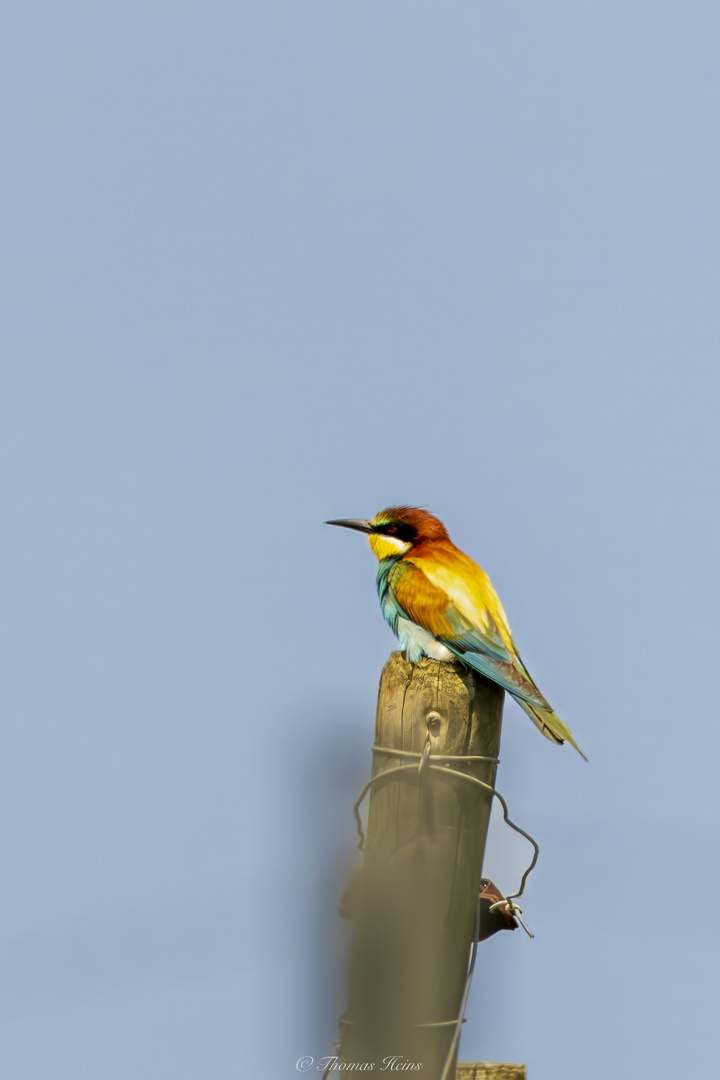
x,y
549,723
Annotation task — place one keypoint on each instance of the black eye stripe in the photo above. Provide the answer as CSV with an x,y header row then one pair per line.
x,y
398,529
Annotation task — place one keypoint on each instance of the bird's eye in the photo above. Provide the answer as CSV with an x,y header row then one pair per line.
x,y
392,528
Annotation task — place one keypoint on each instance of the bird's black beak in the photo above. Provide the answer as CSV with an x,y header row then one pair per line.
x,y
353,523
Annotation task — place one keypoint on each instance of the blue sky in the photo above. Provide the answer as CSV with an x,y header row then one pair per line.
x,y
266,264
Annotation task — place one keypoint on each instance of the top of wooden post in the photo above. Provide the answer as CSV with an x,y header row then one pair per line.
x,y
490,1070
469,708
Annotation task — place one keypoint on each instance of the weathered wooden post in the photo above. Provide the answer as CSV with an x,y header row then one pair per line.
x,y
414,902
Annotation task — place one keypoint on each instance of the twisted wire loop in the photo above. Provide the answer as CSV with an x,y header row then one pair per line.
x,y
435,757
423,760
423,765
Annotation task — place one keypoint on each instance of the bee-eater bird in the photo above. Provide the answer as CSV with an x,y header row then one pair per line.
x,y
441,604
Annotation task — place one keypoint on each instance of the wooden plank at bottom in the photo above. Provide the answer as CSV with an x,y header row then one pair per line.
x,y
490,1070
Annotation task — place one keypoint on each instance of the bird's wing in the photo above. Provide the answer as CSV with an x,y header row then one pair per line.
x,y
455,601
420,599
469,588
478,641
